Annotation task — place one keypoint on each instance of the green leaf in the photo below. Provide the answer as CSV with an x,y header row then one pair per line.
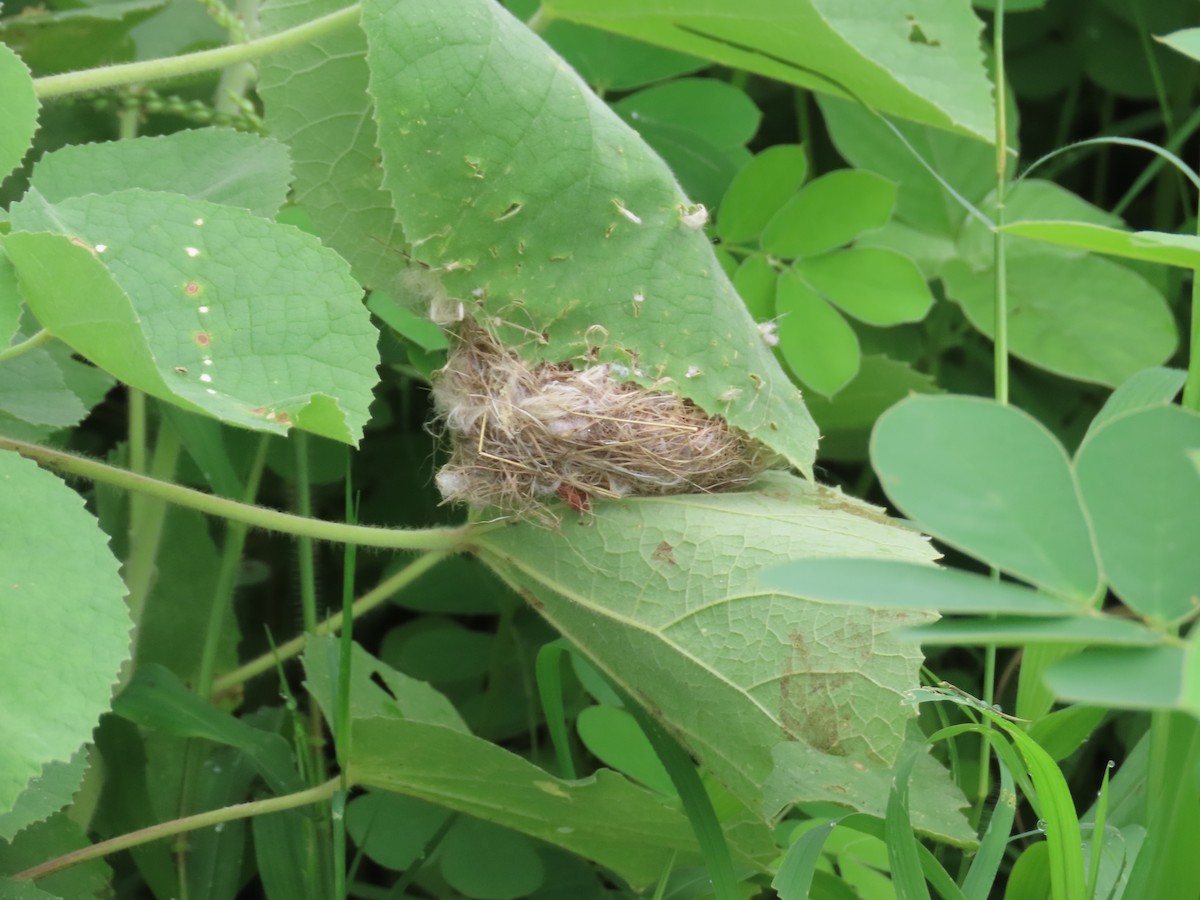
x,y
895,584
875,286
284,847
45,794
612,735
761,187
669,608
966,165
315,99
604,817
214,164
556,218
32,388
1148,388
862,784
60,40
1014,631
846,421
482,861
609,62
422,332
1150,246
1131,677
1080,316
57,836
901,842
755,283
10,300
814,340
391,829
376,689
716,110
156,699
699,127
829,212
438,650
920,62
991,481
71,602
1146,517
202,305
19,114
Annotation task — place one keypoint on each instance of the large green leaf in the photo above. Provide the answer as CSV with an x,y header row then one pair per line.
x,y
1146,516
214,164
1131,677
66,629
920,61
18,113
315,99
662,594
1080,316
991,481
553,221
205,306
631,830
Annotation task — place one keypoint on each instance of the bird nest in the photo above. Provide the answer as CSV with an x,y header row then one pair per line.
x,y
522,434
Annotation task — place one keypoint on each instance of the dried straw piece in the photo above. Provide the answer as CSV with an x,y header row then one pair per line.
x,y
521,434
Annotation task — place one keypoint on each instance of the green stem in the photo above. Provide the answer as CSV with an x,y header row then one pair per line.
x,y
178,826
363,605
1000,327
237,79
31,343
139,566
450,540
231,560
192,63
1191,388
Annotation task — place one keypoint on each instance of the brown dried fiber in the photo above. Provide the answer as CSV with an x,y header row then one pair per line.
x,y
521,434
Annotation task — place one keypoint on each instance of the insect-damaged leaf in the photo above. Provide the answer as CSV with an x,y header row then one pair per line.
x,y
553,222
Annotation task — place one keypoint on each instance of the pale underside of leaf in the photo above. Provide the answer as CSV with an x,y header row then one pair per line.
x,y
662,594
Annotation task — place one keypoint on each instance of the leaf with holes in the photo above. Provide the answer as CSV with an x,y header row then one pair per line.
x,y
554,222
205,306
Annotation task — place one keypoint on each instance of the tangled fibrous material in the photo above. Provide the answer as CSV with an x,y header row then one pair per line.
x,y
522,434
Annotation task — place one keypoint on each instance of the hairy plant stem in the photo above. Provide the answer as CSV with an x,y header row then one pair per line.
x,y
192,63
449,540
317,794
362,605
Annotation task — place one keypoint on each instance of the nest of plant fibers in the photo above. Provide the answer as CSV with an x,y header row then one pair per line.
x,y
521,434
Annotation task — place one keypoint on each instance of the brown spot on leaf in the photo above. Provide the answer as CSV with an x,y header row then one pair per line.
x,y
192,288
664,552
203,338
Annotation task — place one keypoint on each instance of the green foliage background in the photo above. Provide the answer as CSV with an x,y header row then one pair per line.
x,y
806,217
